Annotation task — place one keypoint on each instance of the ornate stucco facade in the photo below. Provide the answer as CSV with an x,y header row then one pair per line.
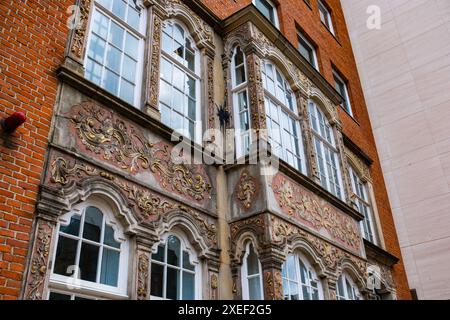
x,y
104,150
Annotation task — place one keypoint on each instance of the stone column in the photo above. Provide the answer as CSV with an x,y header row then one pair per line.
x,y
141,274
330,289
272,261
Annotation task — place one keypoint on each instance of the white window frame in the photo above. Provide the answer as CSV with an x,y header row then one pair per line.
x,y
271,99
301,36
327,147
60,283
312,276
186,246
236,90
325,16
276,22
346,105
140,34
361,193
194,74
245,277
351,291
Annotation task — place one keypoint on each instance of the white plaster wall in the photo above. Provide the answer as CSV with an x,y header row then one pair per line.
x,y
405,73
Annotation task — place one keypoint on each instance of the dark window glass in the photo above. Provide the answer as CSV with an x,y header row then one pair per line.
x,y
109,238
65,256
93,224
110,267
58,296
173,251
156,288
88,262
173,283
73,228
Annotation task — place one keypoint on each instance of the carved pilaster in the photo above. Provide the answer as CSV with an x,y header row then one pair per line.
x,y
302,103
256,91
273,284
37,278
344,165
330,289
142,267
153,65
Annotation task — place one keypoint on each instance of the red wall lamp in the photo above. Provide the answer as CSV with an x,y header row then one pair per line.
x,y
11,123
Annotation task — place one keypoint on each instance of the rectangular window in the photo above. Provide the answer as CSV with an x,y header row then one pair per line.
x,y
115,49
307,50
341,86
325,16
268,9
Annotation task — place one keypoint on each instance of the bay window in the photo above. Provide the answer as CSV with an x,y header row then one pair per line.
x,y
90,257
252,286
283,125
300,281
180,81
174,271
362,202
115,48
327,155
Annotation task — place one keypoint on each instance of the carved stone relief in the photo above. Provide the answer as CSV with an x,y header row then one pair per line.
x,y
80,34
308,208
143,277
246,190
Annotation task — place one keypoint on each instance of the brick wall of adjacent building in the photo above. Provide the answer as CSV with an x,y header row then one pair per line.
x,y
336,51
33,35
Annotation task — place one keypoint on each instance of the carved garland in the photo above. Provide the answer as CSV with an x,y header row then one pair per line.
x,y
104,134
273,285
39,262
256,92
79,36
155,61
305,207
246,190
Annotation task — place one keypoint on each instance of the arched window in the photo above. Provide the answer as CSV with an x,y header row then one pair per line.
x,y
115,48
326,151
362,202
179,94
300,281
240,102
175,271
282,118
252,287
90,257
346,288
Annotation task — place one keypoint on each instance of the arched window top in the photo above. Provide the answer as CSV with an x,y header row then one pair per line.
x,y
277,87
252,286
300,280
320,123
178,44
91,247
239,76
175,270
346,288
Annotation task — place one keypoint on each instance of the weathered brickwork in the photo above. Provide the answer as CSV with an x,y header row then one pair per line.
x,y
33,35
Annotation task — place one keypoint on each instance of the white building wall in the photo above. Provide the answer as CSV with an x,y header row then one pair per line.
x,y
405,73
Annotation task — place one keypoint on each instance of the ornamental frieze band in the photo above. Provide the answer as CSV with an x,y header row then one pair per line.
x,y
308,208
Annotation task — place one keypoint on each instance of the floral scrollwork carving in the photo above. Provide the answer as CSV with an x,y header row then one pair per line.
x,y
39,262
246,190
143,266
61,172
105,134
79,36
273,285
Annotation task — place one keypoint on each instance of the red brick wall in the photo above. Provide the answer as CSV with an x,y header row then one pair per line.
x,y
33,35
337,51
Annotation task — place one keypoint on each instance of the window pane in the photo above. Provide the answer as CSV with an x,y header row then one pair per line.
x,y
74,226
252,262
190,87
178,33
166,70
240,75
191,109
156,286
166,43
131,46
294,294
178,79
58,296
110,267
94,72
173,251
65,255
111,82
173,283
291,268
188,286
177,122
186,262
178,50
93,221
239,57
119,8
242,100
165,114
190,60
113,59
165,94
116,35
254,288
129,69
97,49
100,25
88,262
109,238
127,91
133,18
178,101
305,291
